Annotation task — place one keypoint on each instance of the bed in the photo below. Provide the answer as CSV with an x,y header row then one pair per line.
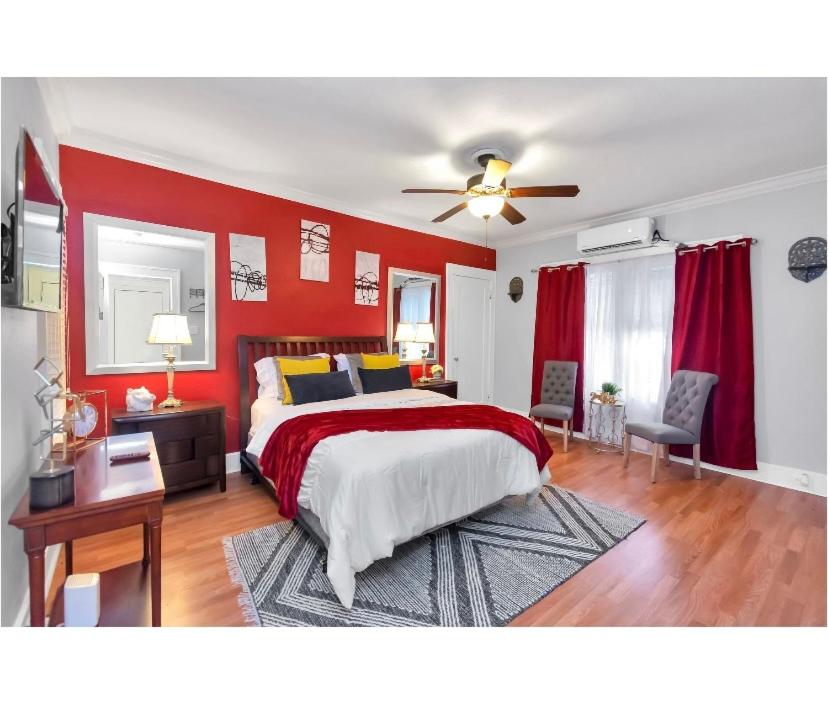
x,y
363,493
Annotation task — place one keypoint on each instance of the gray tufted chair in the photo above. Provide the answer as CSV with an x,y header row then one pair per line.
x,y
557,395
680,422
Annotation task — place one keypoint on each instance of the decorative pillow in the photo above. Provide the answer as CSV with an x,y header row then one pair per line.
x,y
291,366
380,361
319,387
350,362
385,379
269,376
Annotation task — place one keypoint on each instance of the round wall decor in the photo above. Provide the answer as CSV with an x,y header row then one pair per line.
x,y
807,259
516,289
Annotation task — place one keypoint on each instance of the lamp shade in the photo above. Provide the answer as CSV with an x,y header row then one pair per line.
x,y
425,333
405,333
169,329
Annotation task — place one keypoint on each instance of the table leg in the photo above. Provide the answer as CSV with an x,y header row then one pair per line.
x,y
155,571
146,559
37,586
68,557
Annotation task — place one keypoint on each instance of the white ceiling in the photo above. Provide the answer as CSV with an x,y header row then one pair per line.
x,y
353,144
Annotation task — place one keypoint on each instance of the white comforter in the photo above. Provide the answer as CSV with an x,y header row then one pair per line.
x,y
374,490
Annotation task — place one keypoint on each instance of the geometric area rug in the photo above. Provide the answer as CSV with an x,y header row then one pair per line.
x,y
482,571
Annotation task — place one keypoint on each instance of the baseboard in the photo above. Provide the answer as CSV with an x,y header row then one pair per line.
x,y
771,473
50,561
232,462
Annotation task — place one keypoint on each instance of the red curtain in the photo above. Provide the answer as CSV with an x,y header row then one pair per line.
x,y
559,328
713,332
397,300
431,314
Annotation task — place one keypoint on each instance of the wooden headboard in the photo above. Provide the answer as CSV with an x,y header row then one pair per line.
x,y
252,348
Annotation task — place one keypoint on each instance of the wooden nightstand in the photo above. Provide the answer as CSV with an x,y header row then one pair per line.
x,y
189,439
445,387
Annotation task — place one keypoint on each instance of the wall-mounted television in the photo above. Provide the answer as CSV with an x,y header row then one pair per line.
x,y
32,244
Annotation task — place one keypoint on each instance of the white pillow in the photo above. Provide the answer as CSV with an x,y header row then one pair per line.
x,y
268,376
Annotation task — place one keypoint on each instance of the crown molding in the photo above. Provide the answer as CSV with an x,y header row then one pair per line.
x,y
710,198
123,149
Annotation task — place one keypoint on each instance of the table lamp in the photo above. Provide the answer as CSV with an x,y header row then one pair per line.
x,y
170,330
424,335
406,333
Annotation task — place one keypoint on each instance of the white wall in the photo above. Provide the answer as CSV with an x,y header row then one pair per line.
x,y
789,317
23,342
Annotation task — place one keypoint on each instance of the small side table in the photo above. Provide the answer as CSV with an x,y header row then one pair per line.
x,y
605,426
107,497
445,387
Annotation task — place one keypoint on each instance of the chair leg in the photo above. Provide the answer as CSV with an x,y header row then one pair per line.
x,y
543,426
697,461
654,463
566,436
626,449
666,448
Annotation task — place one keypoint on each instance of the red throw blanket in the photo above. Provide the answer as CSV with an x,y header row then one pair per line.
x,y
287,450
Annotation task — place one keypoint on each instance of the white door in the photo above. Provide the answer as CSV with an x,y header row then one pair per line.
x,y
134,300
470,331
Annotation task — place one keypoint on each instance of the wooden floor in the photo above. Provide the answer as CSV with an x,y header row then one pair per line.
x,y
719,551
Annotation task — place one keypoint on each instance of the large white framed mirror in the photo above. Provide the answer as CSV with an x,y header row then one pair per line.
x,y
413,298
133,270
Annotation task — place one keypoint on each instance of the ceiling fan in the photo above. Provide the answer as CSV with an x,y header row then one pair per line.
x,y
488,192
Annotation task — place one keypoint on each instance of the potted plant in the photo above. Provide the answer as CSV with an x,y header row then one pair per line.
x,y
608,393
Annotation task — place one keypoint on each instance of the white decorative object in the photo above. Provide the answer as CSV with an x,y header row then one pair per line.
x,y
366,281
139,399
315,249
82,600
248,268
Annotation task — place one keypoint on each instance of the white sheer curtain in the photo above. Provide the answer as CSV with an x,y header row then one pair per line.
x,y
415,302
628,331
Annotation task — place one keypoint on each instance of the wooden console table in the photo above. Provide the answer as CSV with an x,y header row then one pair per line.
x,y
107,497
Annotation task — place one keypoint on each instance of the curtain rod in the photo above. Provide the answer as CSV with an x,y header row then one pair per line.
x,y
651,250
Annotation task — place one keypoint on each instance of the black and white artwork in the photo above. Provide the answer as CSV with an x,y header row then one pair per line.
x,y
366,282
315,239
248,270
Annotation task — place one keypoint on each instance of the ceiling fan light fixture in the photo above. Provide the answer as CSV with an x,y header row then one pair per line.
x,y
486,206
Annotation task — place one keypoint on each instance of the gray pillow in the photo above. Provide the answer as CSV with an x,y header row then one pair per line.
x,y
354,362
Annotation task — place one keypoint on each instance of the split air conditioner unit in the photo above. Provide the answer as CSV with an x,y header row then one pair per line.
x,y
626,235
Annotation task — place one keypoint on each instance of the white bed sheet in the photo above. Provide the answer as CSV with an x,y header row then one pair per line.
x,y
374,490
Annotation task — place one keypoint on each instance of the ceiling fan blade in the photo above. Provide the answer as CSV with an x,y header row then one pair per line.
x,y
451,212
459,192
495,172
523,191
511,214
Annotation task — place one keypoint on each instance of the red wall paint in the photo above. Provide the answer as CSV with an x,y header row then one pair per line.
x,y
97,183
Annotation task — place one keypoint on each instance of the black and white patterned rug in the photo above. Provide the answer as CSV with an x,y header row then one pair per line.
x,y
482,571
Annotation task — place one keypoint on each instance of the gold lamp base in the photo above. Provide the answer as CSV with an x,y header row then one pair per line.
x,y
171,400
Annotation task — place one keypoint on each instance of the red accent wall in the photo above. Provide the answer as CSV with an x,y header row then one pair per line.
x,y
97,183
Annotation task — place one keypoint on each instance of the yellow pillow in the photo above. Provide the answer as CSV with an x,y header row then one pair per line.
x,y
380,361
290,366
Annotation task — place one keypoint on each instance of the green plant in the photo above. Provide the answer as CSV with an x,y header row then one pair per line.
x,y
610,388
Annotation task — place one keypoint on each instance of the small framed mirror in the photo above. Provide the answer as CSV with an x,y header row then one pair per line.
x,y
134,270
413,300
33,244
